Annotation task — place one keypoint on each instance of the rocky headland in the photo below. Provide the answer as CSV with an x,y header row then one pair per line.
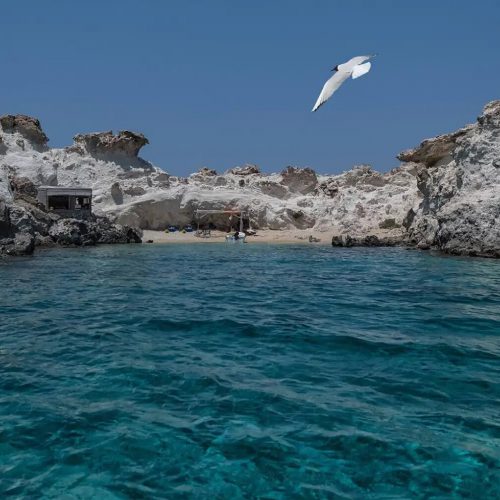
x,y
24,223
444,195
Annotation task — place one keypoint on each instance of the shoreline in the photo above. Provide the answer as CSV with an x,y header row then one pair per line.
x,y
285,236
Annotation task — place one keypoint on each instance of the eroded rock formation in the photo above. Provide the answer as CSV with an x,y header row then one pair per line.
x,y
206,172
26,126
124,143
299,180
248,169
444,195
431,151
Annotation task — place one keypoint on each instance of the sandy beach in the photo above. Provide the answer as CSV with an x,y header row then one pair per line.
x,y
262,236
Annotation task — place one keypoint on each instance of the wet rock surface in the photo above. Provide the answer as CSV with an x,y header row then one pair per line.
x,y
72,232
346,240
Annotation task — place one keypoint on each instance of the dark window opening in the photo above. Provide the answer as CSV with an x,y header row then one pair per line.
x,y
58,202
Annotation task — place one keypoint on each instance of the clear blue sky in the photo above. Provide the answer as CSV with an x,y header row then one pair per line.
x,y
222,83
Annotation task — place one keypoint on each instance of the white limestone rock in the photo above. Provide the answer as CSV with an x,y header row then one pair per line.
x,y
444,195
459,180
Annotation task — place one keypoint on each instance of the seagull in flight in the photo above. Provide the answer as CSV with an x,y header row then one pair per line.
x,y
355,67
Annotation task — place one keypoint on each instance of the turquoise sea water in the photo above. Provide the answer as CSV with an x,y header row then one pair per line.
x,y
214,371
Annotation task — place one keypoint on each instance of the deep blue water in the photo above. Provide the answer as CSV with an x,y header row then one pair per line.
x,y
214,371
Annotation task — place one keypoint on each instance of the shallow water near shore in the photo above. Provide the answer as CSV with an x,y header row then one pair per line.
x,y
228,371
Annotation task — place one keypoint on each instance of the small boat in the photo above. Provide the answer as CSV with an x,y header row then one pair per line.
x,y
237,237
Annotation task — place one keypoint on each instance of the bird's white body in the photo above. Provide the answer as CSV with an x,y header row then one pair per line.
x,y
355,67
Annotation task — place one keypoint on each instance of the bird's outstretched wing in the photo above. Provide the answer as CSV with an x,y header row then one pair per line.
x,y
360,70
349,65
330,87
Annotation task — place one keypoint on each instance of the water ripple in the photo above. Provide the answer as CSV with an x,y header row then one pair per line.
x,y
250,372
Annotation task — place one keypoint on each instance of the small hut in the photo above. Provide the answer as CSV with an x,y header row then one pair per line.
x,y
75,202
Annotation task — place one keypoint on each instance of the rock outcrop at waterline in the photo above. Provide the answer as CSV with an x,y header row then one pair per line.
x,y
444,195
25,224
459,180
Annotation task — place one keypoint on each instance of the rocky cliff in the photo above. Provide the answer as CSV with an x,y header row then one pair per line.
x,y
132,191
444,194
458,177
